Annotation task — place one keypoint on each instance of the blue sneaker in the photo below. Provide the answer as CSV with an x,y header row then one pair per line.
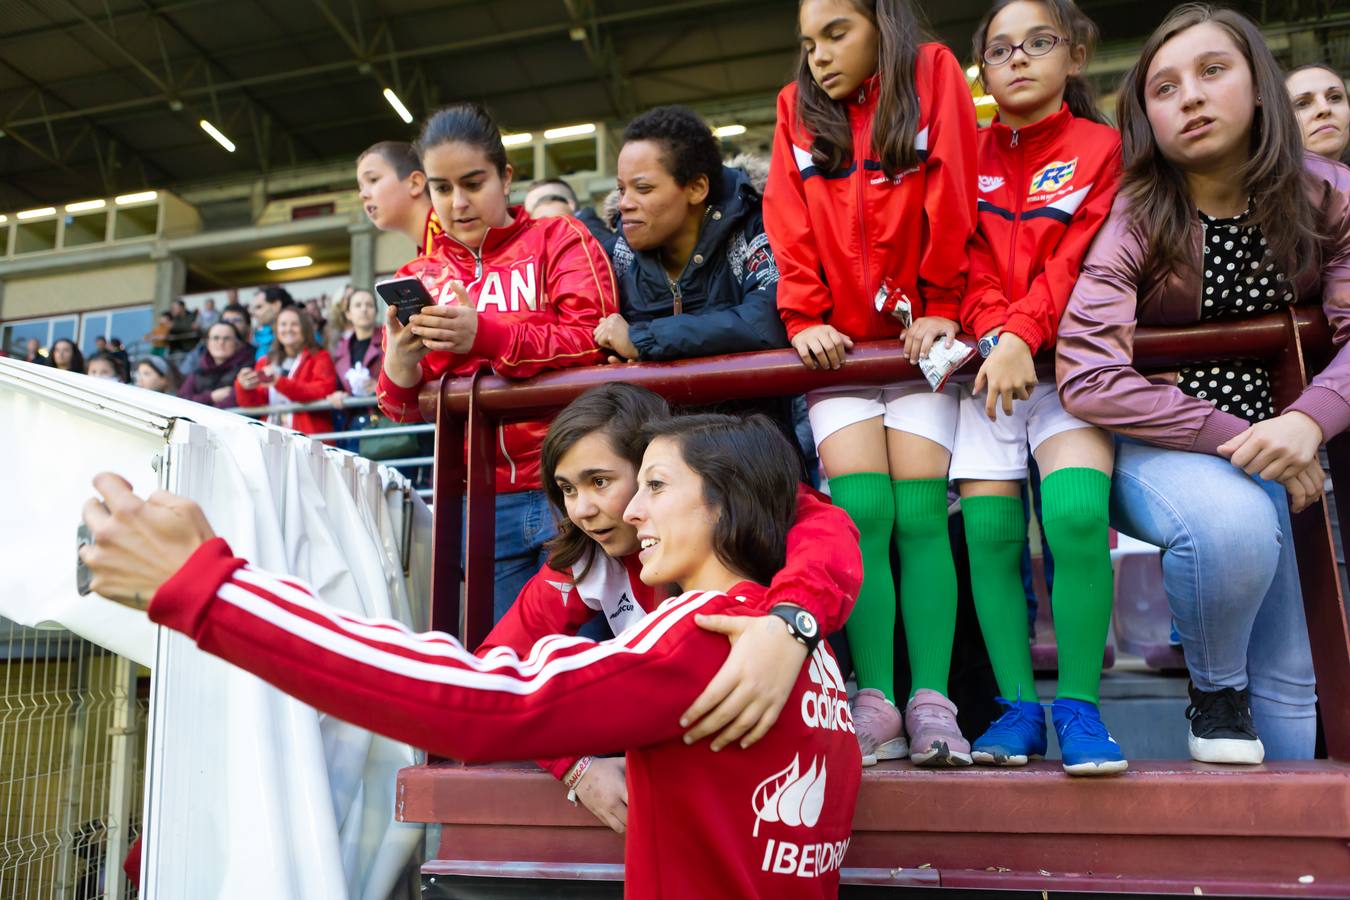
x,y
1085,745
1017,736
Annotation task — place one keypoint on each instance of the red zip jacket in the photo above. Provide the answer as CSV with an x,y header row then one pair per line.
x,y
839,236
771,821
313,379
1045,189
822,574
540,286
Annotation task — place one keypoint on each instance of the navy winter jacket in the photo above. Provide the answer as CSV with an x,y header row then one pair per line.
x,y
725,300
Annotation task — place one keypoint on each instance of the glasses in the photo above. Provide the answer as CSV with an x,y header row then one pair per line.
x,y
1035,46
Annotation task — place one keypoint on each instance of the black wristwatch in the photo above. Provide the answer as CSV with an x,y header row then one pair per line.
x,y
800,623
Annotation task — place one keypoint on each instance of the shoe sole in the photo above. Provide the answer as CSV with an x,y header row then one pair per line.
x,y
985,758
939,755
895,748
1226,750
1108,767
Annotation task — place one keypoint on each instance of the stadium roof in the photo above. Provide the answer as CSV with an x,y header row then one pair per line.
x,y
103,96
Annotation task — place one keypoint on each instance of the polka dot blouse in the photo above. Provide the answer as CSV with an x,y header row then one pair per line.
x,y
1237,283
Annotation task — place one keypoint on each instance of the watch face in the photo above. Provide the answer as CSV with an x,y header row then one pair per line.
x,y
806,624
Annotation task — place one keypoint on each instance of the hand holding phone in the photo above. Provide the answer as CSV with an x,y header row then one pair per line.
x,y
407,295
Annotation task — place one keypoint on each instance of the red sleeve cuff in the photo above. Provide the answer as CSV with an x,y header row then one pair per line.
x,y
558,767
1325,407
397,402
1026,328
944,305
987,320
796,323
1219,428
492,339
182,602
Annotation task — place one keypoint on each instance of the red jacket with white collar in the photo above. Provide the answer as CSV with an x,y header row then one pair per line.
x,y
1045,189
312,379
772,820
839,236
822,574
540,287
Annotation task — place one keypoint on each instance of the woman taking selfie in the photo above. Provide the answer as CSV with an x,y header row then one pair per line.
x,y
590,463
1206,466
712,514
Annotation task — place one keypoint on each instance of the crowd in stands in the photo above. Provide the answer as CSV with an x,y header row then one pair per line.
x,y
885,214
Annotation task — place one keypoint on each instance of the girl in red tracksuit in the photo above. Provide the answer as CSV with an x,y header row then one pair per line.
x,y
515,294
770,820
1048,171
590,461
296,370
869,206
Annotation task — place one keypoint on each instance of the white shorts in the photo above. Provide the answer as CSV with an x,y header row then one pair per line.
x,y
911,407
997,451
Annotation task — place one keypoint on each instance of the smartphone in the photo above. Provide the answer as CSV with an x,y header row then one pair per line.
x,y
82,576
407,295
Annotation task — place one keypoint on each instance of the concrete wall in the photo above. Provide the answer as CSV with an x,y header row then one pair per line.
x,y
66,292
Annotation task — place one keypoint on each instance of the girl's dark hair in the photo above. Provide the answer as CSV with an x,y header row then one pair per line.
x,y
897,117
618,411
1080,32
163,366
750,476
276,353
688,148
401,155
464,123
76,357
1160,205
107,357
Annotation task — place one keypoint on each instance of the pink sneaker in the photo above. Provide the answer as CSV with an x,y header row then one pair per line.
x,y
880,729
935,738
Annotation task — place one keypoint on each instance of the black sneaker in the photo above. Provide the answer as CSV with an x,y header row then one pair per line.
x,y
1221,727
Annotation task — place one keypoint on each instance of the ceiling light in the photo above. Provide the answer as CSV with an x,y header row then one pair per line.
x,y
4,219
727,131
973,72
515,140
291,262
140,197
36,213
220,139
577,33
570,131
398,106
86,205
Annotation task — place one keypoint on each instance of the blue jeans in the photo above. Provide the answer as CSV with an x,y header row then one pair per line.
x,y
524,524
1231,580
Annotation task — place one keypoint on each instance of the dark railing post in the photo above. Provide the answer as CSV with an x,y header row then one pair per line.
x,y
480,519
447,521
1317,571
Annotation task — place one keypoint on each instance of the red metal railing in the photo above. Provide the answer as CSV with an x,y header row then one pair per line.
x,y
467,410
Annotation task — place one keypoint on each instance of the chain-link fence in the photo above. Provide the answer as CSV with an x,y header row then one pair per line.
x,y
72,759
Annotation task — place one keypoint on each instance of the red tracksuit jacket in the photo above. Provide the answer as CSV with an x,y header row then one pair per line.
x,y
1045,189
540,287
822,574
313,379
770,821
839,236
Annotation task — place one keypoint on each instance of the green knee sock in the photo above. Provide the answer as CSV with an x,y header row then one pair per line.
x,y
927,580
1074,505
866,497
996,530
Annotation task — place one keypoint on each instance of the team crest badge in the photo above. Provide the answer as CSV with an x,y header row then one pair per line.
x,y
1053,177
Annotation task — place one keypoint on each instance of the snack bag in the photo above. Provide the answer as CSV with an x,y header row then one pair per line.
x,y
895,304
942,361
